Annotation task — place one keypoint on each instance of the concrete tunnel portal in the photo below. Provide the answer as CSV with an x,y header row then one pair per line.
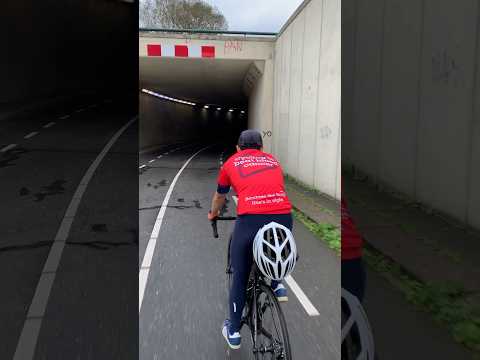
x,y
225,88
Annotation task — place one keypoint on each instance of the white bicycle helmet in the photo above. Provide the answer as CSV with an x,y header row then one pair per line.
x,y
355,326
274,251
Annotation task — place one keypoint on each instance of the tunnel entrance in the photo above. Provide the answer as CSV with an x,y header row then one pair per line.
x,y
219,92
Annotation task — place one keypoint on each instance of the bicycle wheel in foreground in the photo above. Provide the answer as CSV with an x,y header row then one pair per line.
x,y
271,334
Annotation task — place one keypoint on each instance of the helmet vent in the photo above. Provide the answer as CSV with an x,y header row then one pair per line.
x,y
286,251
268,251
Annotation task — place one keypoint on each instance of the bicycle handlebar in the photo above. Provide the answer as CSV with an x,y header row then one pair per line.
x,y
214,223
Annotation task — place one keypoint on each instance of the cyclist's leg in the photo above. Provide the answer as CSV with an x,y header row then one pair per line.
x,y
241,260
353,277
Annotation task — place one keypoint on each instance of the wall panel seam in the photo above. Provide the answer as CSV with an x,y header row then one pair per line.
x,y
471,126
301,99
317,106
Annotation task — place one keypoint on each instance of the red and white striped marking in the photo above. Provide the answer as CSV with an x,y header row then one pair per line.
x,y
191,51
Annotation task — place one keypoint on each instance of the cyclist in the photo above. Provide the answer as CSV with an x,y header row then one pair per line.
x,y
257,179
357,329
353,272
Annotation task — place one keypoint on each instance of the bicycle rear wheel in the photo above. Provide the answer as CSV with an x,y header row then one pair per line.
x,y
269,328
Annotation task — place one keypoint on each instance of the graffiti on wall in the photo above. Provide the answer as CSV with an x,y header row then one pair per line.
x,y
325,132
233,46
446,69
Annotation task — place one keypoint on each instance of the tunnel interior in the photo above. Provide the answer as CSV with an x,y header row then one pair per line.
x,y
219,89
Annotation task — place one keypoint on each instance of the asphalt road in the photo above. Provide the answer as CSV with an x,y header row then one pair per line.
x,y
185,299
91,312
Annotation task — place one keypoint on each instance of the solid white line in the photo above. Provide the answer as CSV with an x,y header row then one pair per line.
x,y
28,338
50,124
152,242
8,147
302,298
32,134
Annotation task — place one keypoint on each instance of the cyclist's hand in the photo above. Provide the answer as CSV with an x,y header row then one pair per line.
x,y
212,216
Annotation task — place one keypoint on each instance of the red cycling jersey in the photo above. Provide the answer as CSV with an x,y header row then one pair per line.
x,y
257,179
351,240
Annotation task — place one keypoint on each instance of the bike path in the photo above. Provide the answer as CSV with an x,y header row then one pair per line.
x,y
185,300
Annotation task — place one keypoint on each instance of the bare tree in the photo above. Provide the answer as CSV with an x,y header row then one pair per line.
x,y
181,14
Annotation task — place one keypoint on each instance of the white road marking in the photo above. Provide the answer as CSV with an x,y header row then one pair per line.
x,y
80,110
32,134
152,242
28,338
8,147
50,124
302,298
159,156
142,166
64,117
151,160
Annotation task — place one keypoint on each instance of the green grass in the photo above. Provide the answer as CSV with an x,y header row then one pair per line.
x,y
328,233
448,303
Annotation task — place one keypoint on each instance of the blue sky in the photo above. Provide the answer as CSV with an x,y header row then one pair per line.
x,y
256,15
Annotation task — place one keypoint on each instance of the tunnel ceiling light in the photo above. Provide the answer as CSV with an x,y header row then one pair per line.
x,y
230,110
153,93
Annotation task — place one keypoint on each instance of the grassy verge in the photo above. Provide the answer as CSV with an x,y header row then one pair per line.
x,y
448,303
328,233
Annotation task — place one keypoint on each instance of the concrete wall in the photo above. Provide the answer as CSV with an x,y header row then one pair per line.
x,y
306,97
260,104
410,100
52,48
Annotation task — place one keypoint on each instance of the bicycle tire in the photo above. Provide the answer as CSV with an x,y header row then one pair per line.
x,y
255,324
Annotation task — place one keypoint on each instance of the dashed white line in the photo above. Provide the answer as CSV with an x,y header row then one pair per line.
x,y
152,242
8,147
159,156
64,117
151,160
32,134
302,298
79,110
50,124
141,167
29,336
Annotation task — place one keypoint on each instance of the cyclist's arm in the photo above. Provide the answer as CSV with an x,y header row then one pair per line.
x,y
223,188
218,202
